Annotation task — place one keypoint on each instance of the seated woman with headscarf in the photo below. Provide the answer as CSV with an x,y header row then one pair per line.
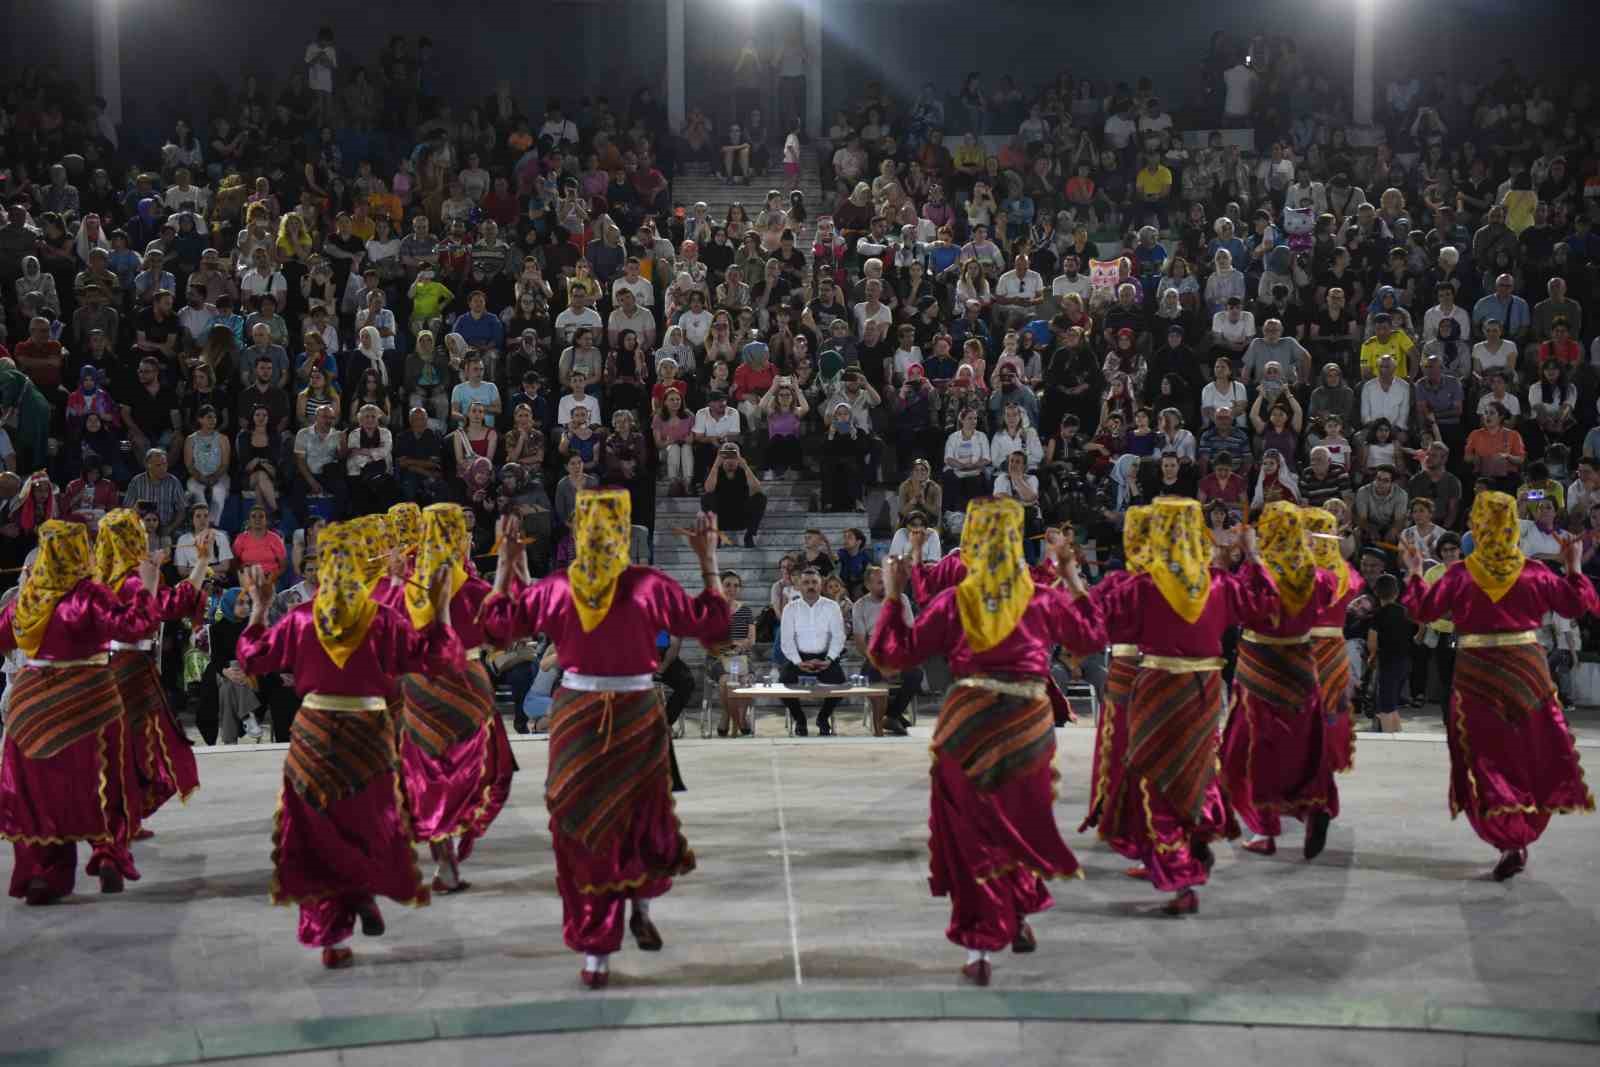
x,y
66,749
608,789
1513,763
994,839
1275,483
342,835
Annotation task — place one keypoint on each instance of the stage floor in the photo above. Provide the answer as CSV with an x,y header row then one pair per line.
x,y
807,935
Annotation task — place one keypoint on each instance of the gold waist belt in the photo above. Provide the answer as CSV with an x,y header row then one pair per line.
x,y
1027,690
1520,637
1268,639
479,652
1326,631
92,661
333,702
1125,651
1182,664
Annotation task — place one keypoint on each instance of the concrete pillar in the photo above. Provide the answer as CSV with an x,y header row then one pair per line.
x,y
675,64
811,15
108,57
1366,51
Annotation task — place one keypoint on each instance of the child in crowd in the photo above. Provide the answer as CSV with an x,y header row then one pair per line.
x,y
1389,640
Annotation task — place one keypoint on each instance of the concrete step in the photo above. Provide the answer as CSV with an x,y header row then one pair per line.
x,y
775,488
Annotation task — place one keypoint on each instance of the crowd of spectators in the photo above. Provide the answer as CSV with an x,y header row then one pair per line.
x,y
349,292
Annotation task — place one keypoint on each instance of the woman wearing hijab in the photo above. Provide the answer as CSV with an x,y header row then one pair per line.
x,y
608,787
455,757
1513,763
1275,755
994,839
162,760
1275,483
1328,650
40,502
342,833
66,778
1111,738
229,701
1175,805
41,285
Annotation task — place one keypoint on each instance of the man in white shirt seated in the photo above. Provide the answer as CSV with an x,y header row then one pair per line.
x,y
1070,281
1017,295
1387,396
715,425
578,313
184,555
812,637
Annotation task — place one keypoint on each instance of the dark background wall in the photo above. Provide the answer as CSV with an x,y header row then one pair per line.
x,y
175,51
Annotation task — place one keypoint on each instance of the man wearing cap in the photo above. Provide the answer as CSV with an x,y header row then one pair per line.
x,y
99,272
715,425
733,492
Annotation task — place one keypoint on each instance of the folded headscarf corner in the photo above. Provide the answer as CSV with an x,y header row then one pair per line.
x,y
1180,555
998,586
445,541
602,527
344,609
1323,533
1285,555
62,563
1136,555
1496,561
405,526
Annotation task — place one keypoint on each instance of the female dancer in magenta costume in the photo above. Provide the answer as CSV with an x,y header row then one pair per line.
x,y
1512,761
454,752
1275,752
342,832
160,758
1122,629
928,580
608,786
1171,806
993,836
402,540
1327,638
63,776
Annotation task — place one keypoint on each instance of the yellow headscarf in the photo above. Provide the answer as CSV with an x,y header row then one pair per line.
x,y
1136,553
405,527
373,533
63,562
1325,549
344,608
1497,558
998,585
1286,557
602,528
445,541
122,545
1180,555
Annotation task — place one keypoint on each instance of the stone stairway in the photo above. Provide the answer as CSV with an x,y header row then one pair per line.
x,y
788,516
688,189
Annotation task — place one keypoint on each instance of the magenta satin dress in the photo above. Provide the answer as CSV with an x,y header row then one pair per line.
x,y
1334,676
1276,758
1155,832
334,861
1508,775
991,850
1111,733
88,791
161,756
459,792
623,643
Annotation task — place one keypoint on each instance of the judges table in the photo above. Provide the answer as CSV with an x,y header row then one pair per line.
x,y
874,700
